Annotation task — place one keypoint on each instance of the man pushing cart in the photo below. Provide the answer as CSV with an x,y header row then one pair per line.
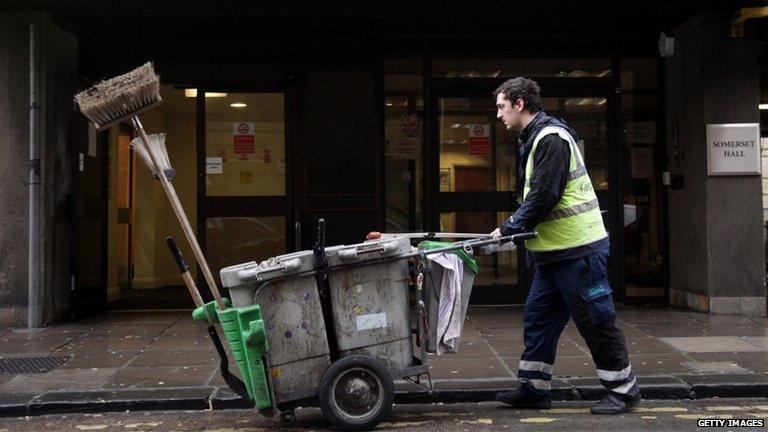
x,y
333,323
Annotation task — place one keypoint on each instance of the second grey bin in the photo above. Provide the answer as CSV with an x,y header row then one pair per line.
x,y
369,288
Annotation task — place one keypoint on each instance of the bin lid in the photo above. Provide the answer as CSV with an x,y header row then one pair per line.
x,y
468,260
368,251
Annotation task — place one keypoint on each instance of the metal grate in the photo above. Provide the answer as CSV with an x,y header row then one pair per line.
x,y
31,365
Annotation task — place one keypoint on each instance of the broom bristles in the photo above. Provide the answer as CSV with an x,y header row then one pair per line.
x,y
121,97
157,141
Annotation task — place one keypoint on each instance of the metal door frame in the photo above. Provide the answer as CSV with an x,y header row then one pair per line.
x,y
209,207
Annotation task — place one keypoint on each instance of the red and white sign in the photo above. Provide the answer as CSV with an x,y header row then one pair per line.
x,y
410,125
243,137
479,139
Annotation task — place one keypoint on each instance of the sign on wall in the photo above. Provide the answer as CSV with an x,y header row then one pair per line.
x,y
733,149
410,125
243,137
479,139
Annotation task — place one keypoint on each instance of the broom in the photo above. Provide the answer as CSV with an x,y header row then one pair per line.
x,y
123,98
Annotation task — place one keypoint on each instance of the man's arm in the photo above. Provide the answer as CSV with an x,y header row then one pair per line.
x,y
550,174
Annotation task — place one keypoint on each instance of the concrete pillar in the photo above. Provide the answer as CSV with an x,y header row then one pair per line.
x,y
58,57
716,242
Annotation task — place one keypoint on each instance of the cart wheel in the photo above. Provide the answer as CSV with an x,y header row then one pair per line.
x,y
288,417
356,393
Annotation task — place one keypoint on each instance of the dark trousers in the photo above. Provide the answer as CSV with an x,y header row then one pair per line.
x,y
577,288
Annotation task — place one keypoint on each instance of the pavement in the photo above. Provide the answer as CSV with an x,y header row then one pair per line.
x,y
163,360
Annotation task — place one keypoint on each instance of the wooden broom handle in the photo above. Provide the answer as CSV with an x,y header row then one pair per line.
x,y
170,191
184,271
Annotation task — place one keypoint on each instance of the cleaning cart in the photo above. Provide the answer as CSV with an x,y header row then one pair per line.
x,y
335,323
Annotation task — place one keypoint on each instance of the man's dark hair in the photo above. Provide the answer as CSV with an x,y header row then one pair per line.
x,y
521,88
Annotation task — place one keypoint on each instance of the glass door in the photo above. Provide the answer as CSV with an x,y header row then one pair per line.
x,y
477,189
245,205
476,185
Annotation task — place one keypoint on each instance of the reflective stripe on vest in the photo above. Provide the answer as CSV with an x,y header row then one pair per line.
x,y
576,219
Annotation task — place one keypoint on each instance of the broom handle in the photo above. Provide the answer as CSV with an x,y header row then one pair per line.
x,y
184,271
179,210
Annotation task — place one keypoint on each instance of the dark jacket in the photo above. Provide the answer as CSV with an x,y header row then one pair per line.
x,y
550,174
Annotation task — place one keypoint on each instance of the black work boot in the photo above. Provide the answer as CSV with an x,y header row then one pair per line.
x,y
521,399
616,404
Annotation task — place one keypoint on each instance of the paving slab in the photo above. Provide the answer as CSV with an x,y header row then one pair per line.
x,y
711,344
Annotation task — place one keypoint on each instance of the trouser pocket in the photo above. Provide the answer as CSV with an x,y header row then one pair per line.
x,y
599,303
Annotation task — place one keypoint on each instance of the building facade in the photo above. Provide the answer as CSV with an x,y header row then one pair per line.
x,y
374,118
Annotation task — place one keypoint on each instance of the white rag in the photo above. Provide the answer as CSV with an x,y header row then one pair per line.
x,y
449,318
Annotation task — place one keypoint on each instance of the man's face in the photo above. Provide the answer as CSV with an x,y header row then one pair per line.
x,y
509,113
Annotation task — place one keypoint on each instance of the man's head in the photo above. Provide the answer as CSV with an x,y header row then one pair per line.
x,y
517,102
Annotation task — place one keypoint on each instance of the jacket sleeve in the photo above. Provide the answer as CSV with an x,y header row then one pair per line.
x,y
550,174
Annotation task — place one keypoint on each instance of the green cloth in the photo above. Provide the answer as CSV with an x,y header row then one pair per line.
x,y
468,260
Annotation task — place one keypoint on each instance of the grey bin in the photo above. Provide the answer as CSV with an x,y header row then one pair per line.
x,y
369,292
369,289
431,294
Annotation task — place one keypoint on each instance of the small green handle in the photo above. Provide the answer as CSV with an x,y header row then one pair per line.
x,y
209,310
257,335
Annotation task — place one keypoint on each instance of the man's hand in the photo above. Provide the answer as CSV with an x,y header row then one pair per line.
x,y
496,233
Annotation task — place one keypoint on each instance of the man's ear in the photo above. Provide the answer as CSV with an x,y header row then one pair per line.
x,y
519,104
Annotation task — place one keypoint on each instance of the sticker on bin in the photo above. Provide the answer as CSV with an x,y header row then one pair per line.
x,y
371,321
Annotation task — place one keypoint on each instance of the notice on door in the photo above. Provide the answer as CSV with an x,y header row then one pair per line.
x,y
733,149
479,139
403,148
243,137
213,165
641,162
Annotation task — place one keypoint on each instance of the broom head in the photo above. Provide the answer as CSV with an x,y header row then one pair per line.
x,y
157,141
114,100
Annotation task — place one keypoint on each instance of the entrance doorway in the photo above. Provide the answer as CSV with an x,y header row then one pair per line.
x,y
229,152
477,188
141,274
244,197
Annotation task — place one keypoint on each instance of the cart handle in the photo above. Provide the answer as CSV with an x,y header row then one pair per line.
x,y
468,245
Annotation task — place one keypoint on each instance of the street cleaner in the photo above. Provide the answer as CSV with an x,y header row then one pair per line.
x,y
569,257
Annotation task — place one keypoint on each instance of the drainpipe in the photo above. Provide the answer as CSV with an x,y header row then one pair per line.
x,y
34,308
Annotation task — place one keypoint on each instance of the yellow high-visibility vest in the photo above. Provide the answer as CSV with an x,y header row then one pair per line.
x,y
576,219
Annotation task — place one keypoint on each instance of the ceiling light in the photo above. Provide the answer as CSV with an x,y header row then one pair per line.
x,y
763,106
238,105
193,93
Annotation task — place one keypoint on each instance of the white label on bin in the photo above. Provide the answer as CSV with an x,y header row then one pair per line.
x,y
371,321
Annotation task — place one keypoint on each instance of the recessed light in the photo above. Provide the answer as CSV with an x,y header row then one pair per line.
x,y
238,105
763,106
